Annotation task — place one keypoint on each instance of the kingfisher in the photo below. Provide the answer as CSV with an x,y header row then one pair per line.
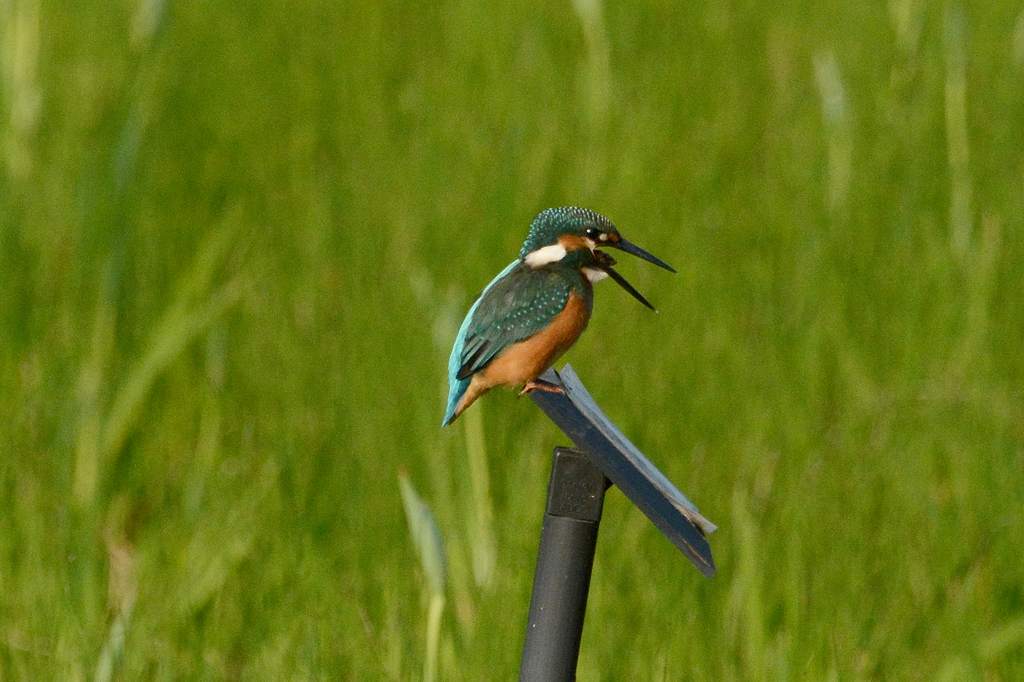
x,y
537,307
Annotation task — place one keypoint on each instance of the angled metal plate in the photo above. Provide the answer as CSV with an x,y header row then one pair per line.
x,y
576,413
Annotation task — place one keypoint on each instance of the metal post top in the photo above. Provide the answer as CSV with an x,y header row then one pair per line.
x,y
577,487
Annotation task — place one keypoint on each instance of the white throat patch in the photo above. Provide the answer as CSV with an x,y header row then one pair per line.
x,y
544,255
594,275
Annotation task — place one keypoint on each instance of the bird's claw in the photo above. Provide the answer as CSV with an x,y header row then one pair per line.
x,y
538,385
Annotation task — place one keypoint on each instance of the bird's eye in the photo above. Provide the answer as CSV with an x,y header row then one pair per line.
x,y
592,233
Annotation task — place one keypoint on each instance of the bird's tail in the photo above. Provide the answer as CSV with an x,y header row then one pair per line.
x,y
456,390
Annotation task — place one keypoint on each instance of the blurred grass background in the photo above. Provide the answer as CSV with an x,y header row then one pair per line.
x,y
236,240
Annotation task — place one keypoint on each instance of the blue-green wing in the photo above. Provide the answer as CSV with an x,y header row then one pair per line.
x,y
457,387
515,308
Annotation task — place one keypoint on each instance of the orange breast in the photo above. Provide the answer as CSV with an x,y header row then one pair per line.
x,y
526,360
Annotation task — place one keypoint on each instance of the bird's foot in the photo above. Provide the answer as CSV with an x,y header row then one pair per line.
x,y
539,385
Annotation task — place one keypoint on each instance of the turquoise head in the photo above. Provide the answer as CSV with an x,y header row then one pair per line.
x,y
573,236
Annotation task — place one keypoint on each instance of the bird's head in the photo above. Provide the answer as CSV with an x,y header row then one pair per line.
x,y
574,236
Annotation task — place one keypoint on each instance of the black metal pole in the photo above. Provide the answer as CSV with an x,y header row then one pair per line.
x,y
564,560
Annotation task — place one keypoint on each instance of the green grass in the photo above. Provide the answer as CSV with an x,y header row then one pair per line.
x,y
235,242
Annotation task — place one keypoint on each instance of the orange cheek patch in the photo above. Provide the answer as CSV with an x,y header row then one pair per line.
x,y
571,242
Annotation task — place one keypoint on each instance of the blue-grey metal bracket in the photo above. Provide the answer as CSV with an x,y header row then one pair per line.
x,y
576,413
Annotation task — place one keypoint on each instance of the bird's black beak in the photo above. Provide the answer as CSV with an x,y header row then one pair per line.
x,y
606,262
630,247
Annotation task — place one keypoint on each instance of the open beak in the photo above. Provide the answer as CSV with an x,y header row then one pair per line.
x,y
630,247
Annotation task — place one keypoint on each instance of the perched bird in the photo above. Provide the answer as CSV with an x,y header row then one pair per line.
x,y
537,307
